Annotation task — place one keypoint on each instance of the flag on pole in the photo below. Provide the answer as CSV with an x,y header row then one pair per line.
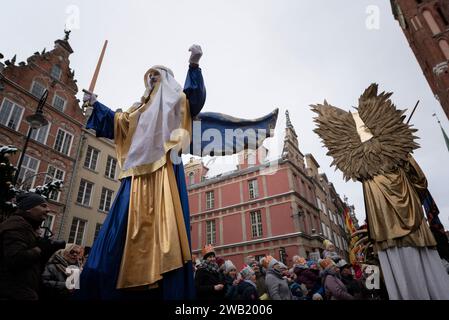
x,y
348,221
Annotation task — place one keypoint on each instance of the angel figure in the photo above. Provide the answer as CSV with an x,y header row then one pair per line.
x,y
373,145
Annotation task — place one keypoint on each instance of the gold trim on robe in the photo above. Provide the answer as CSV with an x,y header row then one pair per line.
x,y
156,239
394,211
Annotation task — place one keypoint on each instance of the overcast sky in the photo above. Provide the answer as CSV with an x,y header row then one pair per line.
x,y
258,55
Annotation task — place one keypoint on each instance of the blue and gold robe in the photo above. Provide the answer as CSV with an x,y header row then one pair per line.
x,y
144,242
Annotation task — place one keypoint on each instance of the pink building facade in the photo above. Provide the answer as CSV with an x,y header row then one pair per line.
x,y
246,212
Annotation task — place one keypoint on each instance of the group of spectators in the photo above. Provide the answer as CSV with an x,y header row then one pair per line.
x,y
31,266
329,278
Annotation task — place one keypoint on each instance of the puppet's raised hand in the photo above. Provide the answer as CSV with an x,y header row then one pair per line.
x,y
196,54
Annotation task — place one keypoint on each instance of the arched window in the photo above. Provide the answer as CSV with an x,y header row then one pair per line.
x,y
434,27
191,178
444,46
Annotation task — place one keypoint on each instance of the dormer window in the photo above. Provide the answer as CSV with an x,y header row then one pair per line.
x,y
56,72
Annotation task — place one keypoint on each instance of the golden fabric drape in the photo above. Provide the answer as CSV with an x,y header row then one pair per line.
x,y
394,212
156,239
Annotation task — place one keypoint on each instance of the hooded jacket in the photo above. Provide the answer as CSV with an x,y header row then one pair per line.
x,y
20,262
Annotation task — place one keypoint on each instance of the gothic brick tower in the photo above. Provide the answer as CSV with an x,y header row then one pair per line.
x,y
425,23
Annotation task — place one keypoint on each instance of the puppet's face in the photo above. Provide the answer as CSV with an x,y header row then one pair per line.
x,y
331,247
153,77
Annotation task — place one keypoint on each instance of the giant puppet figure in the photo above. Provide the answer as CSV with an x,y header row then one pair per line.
x,y
373,145
143,248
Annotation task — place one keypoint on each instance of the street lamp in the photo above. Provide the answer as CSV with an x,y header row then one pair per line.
x,y
36,121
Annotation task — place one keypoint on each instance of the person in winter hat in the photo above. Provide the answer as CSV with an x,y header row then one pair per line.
x,y
230,280
333,286
260,276
277,285
21,252
354,287
247,288
55,273
209,285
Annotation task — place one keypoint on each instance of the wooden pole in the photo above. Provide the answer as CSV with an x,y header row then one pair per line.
x,y
97,69
93,82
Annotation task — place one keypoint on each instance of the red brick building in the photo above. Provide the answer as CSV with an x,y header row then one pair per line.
x,y
425,23
245,212
52,150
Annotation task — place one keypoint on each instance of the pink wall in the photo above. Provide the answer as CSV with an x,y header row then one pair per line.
x,y
193,203
237,260
230,194
194,235
232,228
281,220
277,183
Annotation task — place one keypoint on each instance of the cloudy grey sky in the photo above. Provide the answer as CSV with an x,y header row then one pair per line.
x,y
258,55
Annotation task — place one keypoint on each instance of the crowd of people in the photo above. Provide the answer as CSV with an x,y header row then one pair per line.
x,y
32,267
328,278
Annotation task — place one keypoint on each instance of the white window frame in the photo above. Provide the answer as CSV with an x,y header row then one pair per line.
x,y
66,133
105,192
91,157
111,160
211,232
256,224
35,133
14,105
38,83
323,229
84,193
52,223
29,169
335,239
54,178
253,189
97,230
74,240
210,200
53,103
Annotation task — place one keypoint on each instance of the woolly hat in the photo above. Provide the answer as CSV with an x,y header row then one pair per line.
x,y
26,201
229,266
207,251
283,266
326,263
271,262
342,263
247,273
